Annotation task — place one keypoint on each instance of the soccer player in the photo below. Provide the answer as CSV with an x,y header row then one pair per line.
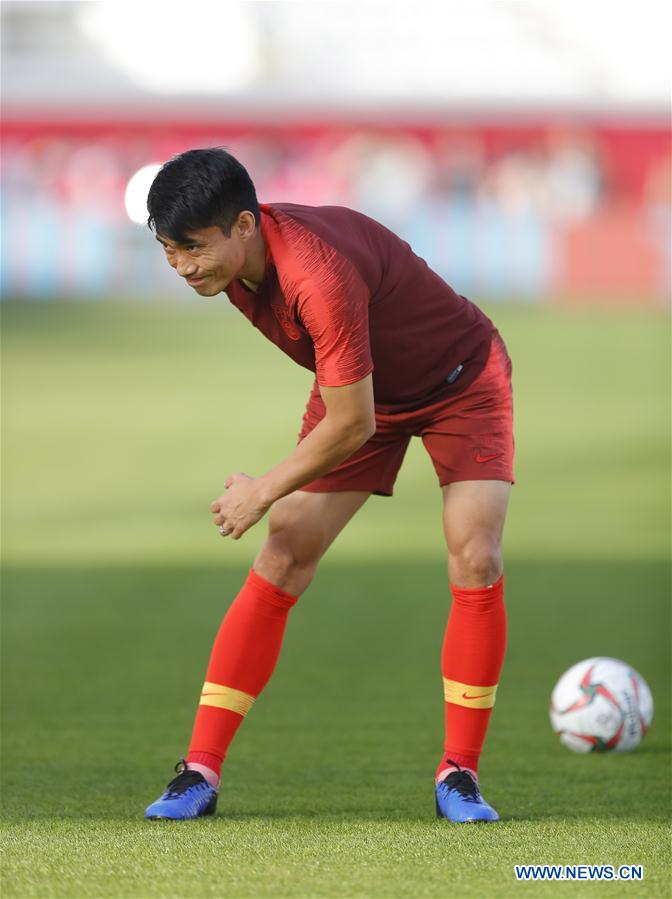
x,y
396,354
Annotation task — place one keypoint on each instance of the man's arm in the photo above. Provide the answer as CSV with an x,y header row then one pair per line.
x,y
348,423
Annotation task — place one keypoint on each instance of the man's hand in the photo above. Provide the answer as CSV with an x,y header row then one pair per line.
x,y
240,507
348,423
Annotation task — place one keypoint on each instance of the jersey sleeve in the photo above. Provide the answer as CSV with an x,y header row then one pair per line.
x,y
334,311
328,296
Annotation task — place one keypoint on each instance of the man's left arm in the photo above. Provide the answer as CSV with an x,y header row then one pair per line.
x,y
348,423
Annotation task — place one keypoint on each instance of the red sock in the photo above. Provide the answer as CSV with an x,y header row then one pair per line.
x,y
242,661
472,657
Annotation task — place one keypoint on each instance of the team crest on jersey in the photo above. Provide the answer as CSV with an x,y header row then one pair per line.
x,y
289,326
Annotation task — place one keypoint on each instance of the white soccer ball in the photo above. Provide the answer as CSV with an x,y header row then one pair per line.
x,y
601,705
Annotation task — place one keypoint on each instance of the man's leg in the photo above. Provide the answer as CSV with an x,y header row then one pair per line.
x,y
301,528
475,639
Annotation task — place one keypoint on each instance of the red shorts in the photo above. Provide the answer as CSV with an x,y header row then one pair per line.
x,y
469,436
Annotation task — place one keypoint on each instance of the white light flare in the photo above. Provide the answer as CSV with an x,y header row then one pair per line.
x,y
135,198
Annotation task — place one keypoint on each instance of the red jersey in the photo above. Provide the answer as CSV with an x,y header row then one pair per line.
x,y
344,297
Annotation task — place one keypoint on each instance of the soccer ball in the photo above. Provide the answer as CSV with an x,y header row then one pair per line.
x,y
601,705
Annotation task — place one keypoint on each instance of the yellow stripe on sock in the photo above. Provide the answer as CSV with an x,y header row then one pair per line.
x,y
221,697
468,695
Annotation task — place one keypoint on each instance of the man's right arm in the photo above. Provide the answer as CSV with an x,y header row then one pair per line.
x,y
348,423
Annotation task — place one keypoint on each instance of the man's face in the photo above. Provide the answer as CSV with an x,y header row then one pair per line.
x,y
209,261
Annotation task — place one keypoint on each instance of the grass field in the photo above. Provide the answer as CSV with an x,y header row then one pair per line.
x,y
120,424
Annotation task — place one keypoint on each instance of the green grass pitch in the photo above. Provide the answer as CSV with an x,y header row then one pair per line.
x,y
120,423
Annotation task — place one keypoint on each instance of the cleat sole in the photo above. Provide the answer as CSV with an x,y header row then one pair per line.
x,y
209,810
442,817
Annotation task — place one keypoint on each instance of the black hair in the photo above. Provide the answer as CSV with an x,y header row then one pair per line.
x,y
198,189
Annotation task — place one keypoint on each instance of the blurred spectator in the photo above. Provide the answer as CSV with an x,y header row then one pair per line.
x,y
573,179
515,183
459,162
491,220
387,174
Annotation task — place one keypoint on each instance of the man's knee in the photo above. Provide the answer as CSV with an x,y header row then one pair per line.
x,y
475,562
286,564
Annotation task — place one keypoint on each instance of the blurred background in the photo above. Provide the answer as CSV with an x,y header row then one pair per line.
x,y
522,149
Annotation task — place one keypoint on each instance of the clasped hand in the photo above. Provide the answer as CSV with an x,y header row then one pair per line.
x,y
240,507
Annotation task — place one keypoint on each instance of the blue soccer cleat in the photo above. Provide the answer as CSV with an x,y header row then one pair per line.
x,y
459,800
188,796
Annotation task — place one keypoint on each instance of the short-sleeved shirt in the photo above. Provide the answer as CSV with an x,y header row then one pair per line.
x,y
345,297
